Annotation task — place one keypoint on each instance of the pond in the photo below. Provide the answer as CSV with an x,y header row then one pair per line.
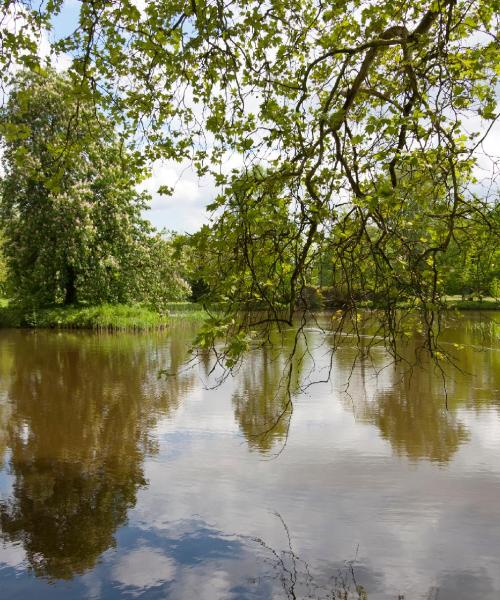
x,y
116,482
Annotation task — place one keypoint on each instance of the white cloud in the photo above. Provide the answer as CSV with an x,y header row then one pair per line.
x,y
185,210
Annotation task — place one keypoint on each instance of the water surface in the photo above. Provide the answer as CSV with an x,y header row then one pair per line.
x,y
115,483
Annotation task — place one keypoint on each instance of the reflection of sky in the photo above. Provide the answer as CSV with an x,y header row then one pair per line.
x,y
413,526
338,491
6,480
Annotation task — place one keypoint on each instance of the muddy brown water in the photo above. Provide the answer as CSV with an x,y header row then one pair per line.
x,y
117,483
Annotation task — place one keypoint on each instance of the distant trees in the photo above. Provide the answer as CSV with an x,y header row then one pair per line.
x,y
471,267
402,269
250,254
70,209
254,243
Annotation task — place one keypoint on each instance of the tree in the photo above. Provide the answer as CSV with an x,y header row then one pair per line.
x,y
3,267
157,272
70,209
252,243
353,106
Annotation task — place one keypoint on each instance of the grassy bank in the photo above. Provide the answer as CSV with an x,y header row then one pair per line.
x,y
105,317
484,304
450,302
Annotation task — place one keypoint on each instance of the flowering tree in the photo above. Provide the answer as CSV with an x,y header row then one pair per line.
x,y
70,209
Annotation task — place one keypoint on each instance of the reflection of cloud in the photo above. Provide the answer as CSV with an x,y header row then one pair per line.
x,y
484,427
189,560
206,583
144,567
13,555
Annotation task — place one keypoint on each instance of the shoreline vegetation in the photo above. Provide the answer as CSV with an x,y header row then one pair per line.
x,y
105,317
122,317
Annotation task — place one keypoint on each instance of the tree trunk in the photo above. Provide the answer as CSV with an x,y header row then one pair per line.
x,y
70,288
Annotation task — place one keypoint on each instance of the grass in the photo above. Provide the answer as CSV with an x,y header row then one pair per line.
x,y
111,317
484,304
190,310
104,317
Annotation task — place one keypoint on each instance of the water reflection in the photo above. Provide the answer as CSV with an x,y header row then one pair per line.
x,y
122,484
264,388
413,407
409,409
296,578
416,408
261,399
82,411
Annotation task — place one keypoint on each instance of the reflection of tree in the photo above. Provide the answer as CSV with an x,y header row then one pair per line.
x,y
478,340
415,408
412,402
5,407
66,516
4,419
413,417
83,408
261,402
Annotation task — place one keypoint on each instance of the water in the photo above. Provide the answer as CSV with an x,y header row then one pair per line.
x,y
115,483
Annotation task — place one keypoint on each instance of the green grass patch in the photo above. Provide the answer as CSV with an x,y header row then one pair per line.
x,y
111,317
484,304
108,317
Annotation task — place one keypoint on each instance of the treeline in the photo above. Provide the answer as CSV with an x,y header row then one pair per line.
x,y
72,230
251,254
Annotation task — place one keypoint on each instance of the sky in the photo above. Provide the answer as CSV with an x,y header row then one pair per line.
x,y
184,210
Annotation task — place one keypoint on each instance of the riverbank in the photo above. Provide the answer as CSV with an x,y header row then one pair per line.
x,y
484,304
451,303
119,317
106,317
